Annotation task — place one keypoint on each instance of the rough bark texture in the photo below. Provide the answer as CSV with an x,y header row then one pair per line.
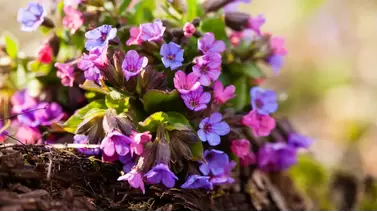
x,y
39,178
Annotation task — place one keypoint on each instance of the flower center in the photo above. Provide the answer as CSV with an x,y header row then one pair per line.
x,y
103,36
171,57
193,102
207,128
203,69
259,103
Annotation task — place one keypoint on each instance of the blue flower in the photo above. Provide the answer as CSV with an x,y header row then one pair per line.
x,y
172,55
197,181
276,156
31,17
298,140
211,128
215,162
99,36
264,101
276,62
161,173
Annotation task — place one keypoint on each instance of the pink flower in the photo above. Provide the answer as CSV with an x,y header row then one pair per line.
x,y
185,83
235,38
73,19
65,73
197,100
248,160
134,178
208,44
188,29
152,31
45,54
240,147
277,45
256,23
72,3
138,141
208,68
261,125
28,135
134,37
221,94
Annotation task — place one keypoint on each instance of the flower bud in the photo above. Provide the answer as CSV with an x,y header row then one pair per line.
x,y
112,121
214,5
151,79
163,153
92,127
196,22
47,22
147,160
236,20
54,43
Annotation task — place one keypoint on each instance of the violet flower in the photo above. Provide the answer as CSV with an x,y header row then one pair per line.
x,y
115,143
261,125
21,101
134,37
31,17
299,141
276,156
197,100
99,36
138,141
197,181
73,19
208,44
88,64
133,64
207,67
134,178
225,177
215,161
221,94
128,162
152,31
240,147
256,23
276,62
65,73
83,139
172,55
188,29
185,83
161,173
211,128
51,113
264,101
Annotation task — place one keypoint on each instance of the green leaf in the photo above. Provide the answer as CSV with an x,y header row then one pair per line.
x,y
242,94
117,101
250,70
196,150
38,67
216,25
21,76
143,12
157,100
153,121
177,121
89,85
123,6
11,46
192,10
71,124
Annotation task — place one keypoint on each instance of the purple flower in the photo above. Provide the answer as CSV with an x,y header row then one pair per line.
x,y
152,31
215,162
31,17
208,44
224,178
211,128
134,178
233,5
161,173
21,101
207,67
264,101
197,100
133,64
99,36
88,64
276,156
256,23
299,141
276,62
28,118
51,113
115,143
185,83
138,141
83,139
172,55
197,181
128,162
65,73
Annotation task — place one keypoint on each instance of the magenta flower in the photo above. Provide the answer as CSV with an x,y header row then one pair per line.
x,y
248,160
185,83
83,139
138,141
256,23
133,64
115,143
215,161
264,101
261,125
277,45
225,177
51,113
134,178
89,63
207,67
152,31
21,101
172,55
221,94
134,37
99,36
276,156
208,44
161,173
73,19
299,141
188,29
197,100
211,128
197,181
28,135
31,17
65,73
240,147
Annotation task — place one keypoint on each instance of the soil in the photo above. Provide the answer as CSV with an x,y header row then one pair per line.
x,y
43,178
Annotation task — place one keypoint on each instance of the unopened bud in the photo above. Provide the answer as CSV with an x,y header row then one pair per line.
x,y
236,20
47,22
214,5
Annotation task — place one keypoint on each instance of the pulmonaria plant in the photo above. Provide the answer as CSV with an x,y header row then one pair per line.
x,y
156,95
